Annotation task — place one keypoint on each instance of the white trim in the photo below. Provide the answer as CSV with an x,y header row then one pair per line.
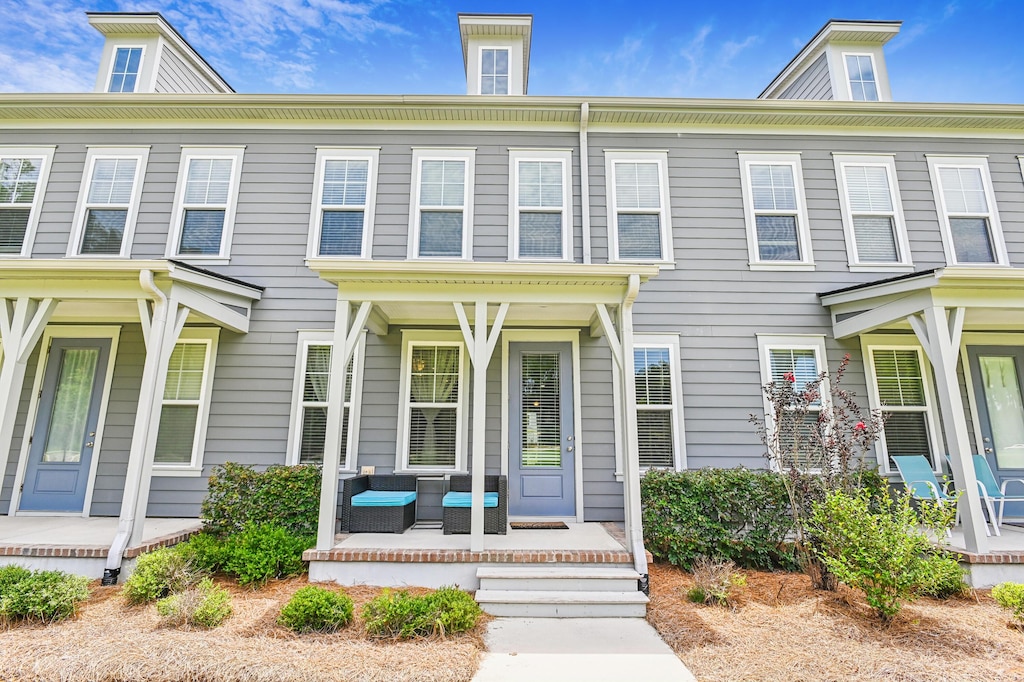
x,y
35,208
564,157
571,336
419,155
324,154
417,337
480,69
803,230
937,162
197,152
141,157
138,76
209,337
888,162
671,342
325,337
664,212
874,71
111,332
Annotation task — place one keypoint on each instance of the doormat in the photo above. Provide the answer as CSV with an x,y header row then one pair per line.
x,y
538,525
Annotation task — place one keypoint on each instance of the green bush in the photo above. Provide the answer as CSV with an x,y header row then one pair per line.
x,y
45,596
239,496
736,514
1011,597
12,575
942,577
316,609
400,615
159,573
265,551
204,605
206,552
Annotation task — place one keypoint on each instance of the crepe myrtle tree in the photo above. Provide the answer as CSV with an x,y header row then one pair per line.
x,y
818,436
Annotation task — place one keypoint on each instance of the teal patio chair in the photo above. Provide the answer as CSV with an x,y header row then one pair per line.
x,y
991,491
920,482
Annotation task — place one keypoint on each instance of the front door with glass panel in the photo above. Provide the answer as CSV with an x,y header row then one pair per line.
x,y
542,457
65,432
997,373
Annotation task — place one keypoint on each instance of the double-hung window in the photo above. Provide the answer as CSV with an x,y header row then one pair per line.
x,y
205,202
658,403
539,204
124,71
186,402
775,210
23,174
342,215
796,360
860,74
639,219
442,214
972,233
432,413
494,71
108,202
876,233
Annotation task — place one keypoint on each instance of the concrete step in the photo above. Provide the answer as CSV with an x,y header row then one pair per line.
x,y
557,578
562,604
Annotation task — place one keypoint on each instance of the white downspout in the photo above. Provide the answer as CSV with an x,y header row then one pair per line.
x,y
585,179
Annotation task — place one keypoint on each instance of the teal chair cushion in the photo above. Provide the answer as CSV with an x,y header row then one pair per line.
x,y
383,498
454,499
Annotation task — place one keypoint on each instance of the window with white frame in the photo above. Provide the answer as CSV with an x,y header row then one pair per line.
x,y
309,409
442,218
797,360
539,204
658,403
433,409
900,390
638,207
108,203
972,233
494,72
342,215
124,71
860,72
23,175
876,233
205,202
775,210
186,400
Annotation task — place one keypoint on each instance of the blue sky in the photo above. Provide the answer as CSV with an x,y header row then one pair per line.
x,y
951,51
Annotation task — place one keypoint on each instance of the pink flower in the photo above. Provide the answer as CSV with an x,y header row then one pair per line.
x,y
859,426
788,376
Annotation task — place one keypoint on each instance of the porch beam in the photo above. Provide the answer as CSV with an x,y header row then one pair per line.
x,y
609,331
210,307
378,322
884,314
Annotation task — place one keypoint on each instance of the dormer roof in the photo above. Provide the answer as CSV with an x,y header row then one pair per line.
x,y
485,26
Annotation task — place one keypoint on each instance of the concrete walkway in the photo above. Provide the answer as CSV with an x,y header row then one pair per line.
x,y
563,649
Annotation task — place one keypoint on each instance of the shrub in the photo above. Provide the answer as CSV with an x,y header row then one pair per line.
x,y
240,496
46,596
159,573
204,605
942,577
735,514
10,576
316,609
1011,597
264,551
206,552
714,581
400,615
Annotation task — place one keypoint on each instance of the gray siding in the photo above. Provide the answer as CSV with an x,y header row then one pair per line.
x,y
813,83
176,76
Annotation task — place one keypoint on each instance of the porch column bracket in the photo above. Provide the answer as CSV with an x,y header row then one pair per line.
x,y
610,333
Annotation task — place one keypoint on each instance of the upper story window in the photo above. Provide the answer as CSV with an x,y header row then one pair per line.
x,y
342,215
797,359
125,70
23,174
494,71
876,233
108,202
860,72
775,210
205,201
442,215
971,231
539,205
638,209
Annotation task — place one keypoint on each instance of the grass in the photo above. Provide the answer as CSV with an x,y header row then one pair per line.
x,y
781,629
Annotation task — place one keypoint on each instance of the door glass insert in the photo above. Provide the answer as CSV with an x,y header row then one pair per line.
x,y
1005,409
541,422
66,431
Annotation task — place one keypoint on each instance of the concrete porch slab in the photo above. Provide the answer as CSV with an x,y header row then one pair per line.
x,y
1004,560
578,536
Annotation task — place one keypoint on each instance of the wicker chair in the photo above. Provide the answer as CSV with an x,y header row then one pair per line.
x,y
457,519
377,519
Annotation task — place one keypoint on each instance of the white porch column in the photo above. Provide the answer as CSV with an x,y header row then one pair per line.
x,y
22,322
940,337
346,336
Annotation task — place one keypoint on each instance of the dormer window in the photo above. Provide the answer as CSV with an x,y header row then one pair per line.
x,y
860,69
494,71
125,72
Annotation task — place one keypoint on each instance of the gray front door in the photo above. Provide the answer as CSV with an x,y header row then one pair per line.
x,y
65,433
542,457
997,374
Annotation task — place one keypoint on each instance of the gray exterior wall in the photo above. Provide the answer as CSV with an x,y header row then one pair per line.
x,y
813,83
175,75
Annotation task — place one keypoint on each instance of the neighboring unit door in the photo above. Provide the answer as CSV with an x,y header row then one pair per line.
x,y
65,433
997,374
542,457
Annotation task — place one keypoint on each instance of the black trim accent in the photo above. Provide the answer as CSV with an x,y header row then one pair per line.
x,y
217,275
110,576
644,584
887,280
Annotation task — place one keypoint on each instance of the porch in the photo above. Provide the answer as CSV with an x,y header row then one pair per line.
x,y
1004,560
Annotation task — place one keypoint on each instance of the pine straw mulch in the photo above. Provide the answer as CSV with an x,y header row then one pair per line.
x,y
110,641
781,629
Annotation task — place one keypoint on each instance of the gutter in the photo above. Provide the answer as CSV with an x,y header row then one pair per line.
x,y
585,179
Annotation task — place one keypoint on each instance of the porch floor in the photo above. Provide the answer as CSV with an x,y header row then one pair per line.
x,y
578,536
69,536
1010,542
